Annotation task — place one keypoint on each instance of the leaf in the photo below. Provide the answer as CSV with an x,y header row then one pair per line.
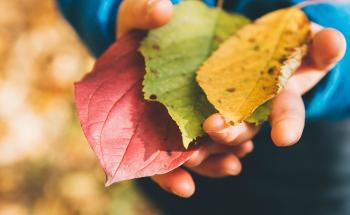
x,y
131,137
252,66
175,52
227,24
261,114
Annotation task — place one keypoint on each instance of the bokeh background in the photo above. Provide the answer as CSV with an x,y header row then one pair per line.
x,y
46,165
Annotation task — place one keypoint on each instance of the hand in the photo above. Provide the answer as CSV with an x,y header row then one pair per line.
x,y
287,120
212,159
288,113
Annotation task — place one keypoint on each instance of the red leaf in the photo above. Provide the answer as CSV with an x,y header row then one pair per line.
x,y
132,138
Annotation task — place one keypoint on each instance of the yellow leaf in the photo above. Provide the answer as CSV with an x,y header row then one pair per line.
x,y
253,66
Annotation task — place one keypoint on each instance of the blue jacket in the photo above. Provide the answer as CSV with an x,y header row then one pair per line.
x,y
95,22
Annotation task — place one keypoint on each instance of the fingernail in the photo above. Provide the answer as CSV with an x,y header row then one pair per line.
x,y
340,49
156,4
214,123
233,169
220,132
290,137
186,188
217,130
340,43
339,39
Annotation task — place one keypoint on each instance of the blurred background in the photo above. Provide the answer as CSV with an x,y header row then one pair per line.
x,y
46,165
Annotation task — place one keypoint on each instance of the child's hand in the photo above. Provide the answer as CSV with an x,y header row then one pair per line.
x,y
220,159
288,113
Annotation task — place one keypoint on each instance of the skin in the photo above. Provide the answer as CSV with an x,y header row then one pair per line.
x,y
220,155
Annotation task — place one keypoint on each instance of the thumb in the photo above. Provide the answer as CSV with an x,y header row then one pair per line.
x,y
327,48
143,14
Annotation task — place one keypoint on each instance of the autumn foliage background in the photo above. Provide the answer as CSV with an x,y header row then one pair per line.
x,y
46,165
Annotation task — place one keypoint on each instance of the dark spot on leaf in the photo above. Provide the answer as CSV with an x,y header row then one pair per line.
x,y
289,32
216,39
153,97
282,59
256,48
271,71
289,49
169,153
251,40
231,90
265,88
156,47
219,100
154,71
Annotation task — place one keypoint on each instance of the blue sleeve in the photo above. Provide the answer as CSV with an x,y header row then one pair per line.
x,y
93,20
330,99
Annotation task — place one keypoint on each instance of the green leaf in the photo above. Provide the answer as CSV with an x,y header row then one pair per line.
x,y
261,114
175,52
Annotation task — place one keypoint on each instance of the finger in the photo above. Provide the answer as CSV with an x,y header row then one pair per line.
x,y
207,149
244,149
218,166
327,48
197,158
220,132
287,118
178,182
143,14
211,148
